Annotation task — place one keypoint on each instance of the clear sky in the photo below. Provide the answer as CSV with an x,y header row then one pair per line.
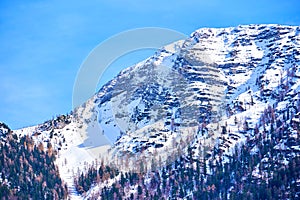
x,y
43,43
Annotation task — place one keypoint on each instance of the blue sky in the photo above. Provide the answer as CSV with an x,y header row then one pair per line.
x,y
43,43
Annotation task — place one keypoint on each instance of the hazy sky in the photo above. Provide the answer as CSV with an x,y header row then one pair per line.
x,y
43,43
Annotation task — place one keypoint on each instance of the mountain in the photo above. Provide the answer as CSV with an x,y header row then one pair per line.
x,y
215,116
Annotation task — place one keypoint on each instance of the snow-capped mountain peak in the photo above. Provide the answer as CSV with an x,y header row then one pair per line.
x,y
212,92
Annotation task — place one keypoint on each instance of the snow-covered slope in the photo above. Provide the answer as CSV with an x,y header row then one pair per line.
x,y
210,93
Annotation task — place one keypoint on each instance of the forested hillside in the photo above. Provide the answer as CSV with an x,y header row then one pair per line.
x,y
28,170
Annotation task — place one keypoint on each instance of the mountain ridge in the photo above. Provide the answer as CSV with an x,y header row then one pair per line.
x,y
213,92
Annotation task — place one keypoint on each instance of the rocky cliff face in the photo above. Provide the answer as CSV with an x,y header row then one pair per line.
x,y
215,76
